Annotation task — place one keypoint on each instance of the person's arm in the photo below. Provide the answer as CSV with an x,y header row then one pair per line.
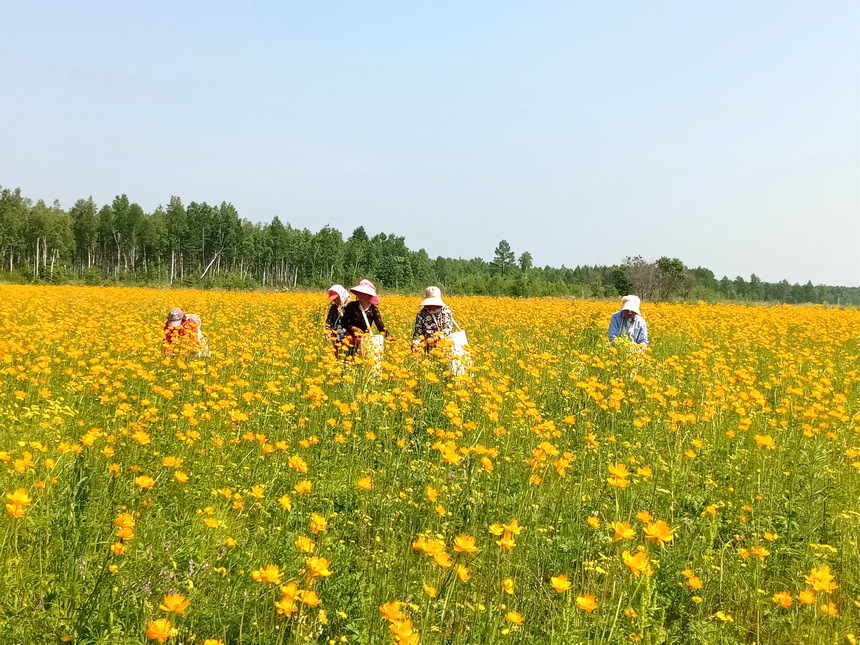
x,y
418,330
614,327
377,318
331,319
447,321
642,333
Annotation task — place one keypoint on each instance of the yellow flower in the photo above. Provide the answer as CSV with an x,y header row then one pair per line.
x,y
623,531
508,585
365,483
638,563
821,579
318,567
303,487
270,573
160,630
465,544
463,572
392,611
318,523
586,602
430,591
514,617
593,521
298,464
144,481
175,603
806,597
560,583
765,441
305,544
829,609
658,532
783,599
286,502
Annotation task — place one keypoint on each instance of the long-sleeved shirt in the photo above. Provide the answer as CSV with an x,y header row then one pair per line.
x,y
636,329
333,320
428,323
352,317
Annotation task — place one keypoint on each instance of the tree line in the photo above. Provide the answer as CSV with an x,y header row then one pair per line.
x,y
204,246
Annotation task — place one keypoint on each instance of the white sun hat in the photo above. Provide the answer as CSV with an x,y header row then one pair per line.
x,y
630,303
432,297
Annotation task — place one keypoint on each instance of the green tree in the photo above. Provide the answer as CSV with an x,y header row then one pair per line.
x,y
504,259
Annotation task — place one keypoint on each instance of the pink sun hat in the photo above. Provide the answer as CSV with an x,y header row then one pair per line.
x,y
366,286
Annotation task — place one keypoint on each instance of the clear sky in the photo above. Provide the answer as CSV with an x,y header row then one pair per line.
x,y
724,133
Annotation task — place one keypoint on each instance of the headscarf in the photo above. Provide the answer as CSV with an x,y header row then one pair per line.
x,y
341,293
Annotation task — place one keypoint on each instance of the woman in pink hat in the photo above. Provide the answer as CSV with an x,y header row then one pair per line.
x,y
362,312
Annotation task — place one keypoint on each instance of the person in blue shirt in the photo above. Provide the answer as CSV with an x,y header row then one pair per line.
x,y
628,320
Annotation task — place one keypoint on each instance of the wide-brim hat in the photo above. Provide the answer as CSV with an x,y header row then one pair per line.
x,y
366,287
432,297
630,303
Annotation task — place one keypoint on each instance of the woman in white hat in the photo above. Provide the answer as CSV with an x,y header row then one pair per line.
x,y
362,312
629,321
433,320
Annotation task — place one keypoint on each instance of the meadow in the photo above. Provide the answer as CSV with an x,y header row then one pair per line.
x,y
561,491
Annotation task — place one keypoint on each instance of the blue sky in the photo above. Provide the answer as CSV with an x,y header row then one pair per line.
x,y
726,134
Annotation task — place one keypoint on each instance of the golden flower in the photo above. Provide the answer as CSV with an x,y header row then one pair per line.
x,y
829,609
298,464
303,487
180,476
465,544
175,603
560,583
821,579
806,597
430,591
144,481
593,521
318,567
270,573
392,610
658,532
783,599
305,544
318,523
760,551
638,563
286,502
160,630
365,483
514,617
508,585
586,602
644,517
463,572
623,531
765,441
309,597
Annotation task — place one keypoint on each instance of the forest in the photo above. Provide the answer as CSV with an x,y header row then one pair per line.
x,y
199,245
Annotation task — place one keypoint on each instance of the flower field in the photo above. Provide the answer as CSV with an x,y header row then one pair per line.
x,y
561,491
